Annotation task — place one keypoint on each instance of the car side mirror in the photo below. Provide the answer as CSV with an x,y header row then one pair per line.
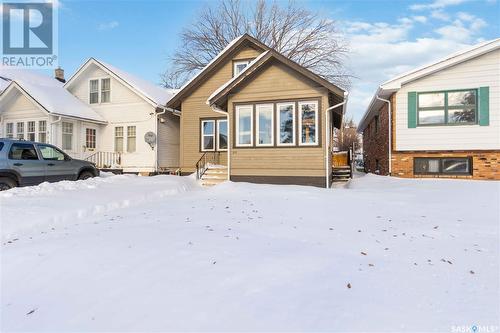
x,y
67,158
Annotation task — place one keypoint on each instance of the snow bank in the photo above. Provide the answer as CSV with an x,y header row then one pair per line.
x,y
383,255
35,208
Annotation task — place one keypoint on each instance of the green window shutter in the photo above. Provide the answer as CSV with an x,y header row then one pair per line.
x,y
484,106
412,109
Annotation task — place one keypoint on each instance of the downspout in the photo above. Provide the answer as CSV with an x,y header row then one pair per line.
x,y
51,130
156,132
218,110
390,127
327,144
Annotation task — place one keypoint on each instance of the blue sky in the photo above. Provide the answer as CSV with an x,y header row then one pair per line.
x,y
386,37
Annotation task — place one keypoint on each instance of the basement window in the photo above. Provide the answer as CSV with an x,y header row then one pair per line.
x,y
442,166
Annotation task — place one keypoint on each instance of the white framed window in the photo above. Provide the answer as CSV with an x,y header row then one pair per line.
x,y
286,123
94,91
67,136
265,124
244,125
119,139
42,131
308,123
9,130
222,135
90,138
31,131
131,139
20,131
208,135
240,65
105,90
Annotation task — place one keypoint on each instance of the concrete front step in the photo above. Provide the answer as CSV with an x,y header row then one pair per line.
x,y
214,175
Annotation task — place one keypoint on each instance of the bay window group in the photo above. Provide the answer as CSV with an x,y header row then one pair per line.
x,y
277,124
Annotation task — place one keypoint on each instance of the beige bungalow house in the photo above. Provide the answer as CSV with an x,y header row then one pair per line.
x,y
254,115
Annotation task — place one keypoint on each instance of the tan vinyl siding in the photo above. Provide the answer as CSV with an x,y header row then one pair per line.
x,y
195,107
278,83
168,141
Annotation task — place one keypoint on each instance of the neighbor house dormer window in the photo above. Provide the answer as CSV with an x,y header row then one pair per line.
x,y
100,91
240,65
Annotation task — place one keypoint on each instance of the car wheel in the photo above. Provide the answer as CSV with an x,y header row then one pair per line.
x,y
85,175
6,183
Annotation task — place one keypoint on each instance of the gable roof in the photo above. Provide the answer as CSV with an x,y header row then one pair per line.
x,y
245,39
46,92
386,89
151,93
221,93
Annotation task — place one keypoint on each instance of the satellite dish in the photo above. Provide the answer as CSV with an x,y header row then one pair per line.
x,y
150,138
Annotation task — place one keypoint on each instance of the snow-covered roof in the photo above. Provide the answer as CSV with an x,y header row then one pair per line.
x,y
218,57
154,94
392,85
49,93
236,77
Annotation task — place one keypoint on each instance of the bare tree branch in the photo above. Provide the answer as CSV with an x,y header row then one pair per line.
x,y
299,34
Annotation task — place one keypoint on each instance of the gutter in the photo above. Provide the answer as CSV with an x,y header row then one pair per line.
x,y
156,132
390,129
327,145
218,110
52,132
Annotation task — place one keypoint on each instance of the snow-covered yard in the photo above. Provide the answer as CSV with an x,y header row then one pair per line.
x,y
127,253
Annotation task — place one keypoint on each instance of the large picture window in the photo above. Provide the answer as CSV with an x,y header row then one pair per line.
x,y
447,107
265,124
67,136
244,125
442,166
208,135
286,124
308,123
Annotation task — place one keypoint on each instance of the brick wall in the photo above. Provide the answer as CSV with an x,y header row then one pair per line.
x,y
485,164
376,145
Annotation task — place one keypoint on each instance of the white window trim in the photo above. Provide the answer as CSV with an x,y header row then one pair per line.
x,y
99,90
257,122
316,136
124,143
203,135
278,125
239,62
85,138
73,128
110,90
217,133
13,129
237,116
126,137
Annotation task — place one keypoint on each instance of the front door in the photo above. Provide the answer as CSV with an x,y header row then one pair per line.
x,y
24,159
59,165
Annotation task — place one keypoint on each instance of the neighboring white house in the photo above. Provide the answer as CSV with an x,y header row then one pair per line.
x,y
101,114
445,119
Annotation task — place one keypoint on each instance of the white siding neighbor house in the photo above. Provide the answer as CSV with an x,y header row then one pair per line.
x,y
440,120
104,112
